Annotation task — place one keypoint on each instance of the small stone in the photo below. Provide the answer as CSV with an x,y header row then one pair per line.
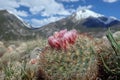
x,y
36,51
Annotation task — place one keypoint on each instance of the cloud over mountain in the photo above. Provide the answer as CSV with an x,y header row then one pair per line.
x,y
41,12
68,0
44,8
110,1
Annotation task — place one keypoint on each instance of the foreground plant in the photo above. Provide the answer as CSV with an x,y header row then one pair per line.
x,y
19,71
71,64
110,58
69,56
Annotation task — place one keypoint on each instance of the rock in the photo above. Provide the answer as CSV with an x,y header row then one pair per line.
x,y
116,34
35,53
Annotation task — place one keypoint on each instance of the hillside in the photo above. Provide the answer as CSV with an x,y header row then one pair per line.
x,y
12,28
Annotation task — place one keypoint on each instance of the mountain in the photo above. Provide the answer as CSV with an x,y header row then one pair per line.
x,y
85,21
12,27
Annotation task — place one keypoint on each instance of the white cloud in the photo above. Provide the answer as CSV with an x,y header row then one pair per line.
x,y
20,13
84,7
84,1
45,7
8,4
11,6
37,22
110,1
68,0
41,7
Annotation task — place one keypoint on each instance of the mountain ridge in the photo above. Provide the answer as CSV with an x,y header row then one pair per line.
x,y
91,23
12,27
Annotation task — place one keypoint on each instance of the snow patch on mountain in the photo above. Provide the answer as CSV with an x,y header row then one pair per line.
x,y
26,24
109,20
114,18
15,15
85,13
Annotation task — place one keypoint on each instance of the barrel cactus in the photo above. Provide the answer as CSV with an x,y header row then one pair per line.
x,y
71,64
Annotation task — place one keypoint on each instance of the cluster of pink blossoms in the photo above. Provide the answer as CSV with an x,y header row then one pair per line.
x,y
63,39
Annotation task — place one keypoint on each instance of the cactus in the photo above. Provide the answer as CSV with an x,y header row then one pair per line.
x,y
71,64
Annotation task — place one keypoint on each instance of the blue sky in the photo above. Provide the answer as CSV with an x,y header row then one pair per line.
x,y
41,12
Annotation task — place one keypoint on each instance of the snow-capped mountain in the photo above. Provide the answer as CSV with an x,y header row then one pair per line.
x,y
85,13
84,20
88,14
13,27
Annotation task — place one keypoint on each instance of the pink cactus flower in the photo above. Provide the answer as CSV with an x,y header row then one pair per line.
x,y
54,42
62,39
62,32
70,36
